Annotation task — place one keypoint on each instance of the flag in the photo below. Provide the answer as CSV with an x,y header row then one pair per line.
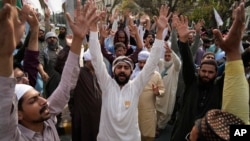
x,y
218,18
54,5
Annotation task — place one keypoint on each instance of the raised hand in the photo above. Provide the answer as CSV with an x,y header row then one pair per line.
x,y
198,26
85,15
12,27
182,28
104,31
231,43
162,20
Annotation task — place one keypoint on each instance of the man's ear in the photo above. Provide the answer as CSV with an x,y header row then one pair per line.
x,y
20,115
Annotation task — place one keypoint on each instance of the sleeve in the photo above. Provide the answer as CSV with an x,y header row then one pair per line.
x,y
152,62
41,57
236,91
97,59
188,64
30,63
196,44
176,61
174,44
61,95
8,117
160,85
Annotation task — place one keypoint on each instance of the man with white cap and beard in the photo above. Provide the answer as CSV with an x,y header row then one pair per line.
x,y
25,115
169,68
47,57
86,103
120,96
147,99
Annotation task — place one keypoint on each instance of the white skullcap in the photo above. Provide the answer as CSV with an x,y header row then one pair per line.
x,y
50,34
21,89
87,56
143,55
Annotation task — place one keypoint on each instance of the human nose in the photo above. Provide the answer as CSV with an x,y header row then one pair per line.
x,y
42,100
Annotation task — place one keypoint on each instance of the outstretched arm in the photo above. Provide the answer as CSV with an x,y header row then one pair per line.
x,y
59,98
10,34
186,55
235,89
31,54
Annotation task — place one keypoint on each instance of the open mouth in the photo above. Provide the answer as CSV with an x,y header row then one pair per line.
x,y
45,109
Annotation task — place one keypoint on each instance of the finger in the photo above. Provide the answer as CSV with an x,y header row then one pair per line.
x,y
11,2
5,12
69,19
186,20
78,8
218,36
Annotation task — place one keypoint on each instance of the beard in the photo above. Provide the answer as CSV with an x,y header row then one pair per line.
x,y
41,39
52,46
62,35
151,42
205,81
121,81
168,64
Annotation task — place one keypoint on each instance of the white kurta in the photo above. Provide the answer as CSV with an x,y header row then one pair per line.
x,y
165,104
119,115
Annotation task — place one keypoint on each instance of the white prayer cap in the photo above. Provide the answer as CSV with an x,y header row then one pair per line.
x,y
143,55
87,56
50,34
21,89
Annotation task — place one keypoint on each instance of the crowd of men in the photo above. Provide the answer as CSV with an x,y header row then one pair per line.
x,y
135,78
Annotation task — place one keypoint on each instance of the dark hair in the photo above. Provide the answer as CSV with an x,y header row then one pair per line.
x,y
117,34
19,104
207,53
148,33
209,62
246,57
119,44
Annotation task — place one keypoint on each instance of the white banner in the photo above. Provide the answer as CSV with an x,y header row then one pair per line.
x,y
55,5
218,18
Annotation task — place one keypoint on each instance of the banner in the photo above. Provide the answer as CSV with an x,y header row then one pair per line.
x,y
218,18
55,5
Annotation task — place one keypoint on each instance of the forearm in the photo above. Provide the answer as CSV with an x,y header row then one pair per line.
x,y
6,64
33,42
236,91
30,65
60,96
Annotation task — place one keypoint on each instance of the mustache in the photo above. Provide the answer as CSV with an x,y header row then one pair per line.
x,y
43,108
122,74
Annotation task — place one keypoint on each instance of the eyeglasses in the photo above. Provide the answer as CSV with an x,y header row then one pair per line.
x,y
19,78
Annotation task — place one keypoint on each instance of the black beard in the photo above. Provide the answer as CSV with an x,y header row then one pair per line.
x,y
62,35
206,83
41,39
121,83
151,42
52,46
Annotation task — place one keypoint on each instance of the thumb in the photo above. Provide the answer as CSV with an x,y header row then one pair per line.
x,y
217,36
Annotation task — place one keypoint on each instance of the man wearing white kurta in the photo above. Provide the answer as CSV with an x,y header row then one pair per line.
x,y
169,68
119,115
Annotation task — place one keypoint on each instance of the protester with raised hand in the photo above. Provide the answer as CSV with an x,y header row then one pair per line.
x,y
119,114
215,124
29,116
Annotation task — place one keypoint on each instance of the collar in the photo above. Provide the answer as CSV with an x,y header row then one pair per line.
x,y
29,133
